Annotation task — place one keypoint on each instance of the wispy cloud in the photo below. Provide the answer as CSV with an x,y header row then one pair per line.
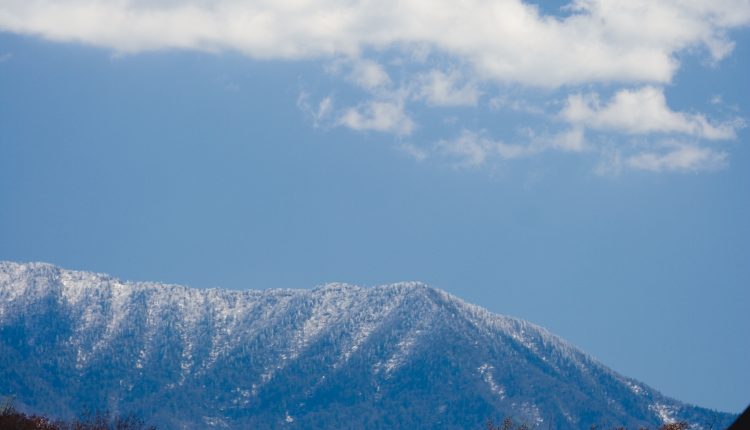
x,y
514,104
377,115
368,74
413,151
680,158
319,112
446,89
661,156
474,149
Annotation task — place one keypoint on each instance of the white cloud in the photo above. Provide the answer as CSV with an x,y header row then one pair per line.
x,y
680,158
503,40
378,115
446,89
642,111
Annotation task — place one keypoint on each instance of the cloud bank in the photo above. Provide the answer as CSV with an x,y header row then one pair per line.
x,y
450,55
503,40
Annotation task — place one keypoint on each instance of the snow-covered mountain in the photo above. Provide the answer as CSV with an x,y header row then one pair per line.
x,y
339,356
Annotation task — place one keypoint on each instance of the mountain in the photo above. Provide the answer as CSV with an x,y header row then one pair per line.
x,y
338,356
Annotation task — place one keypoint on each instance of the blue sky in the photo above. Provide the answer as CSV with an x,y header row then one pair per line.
x,y
583,166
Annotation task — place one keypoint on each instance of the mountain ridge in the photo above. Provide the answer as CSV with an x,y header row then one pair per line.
x,y
318,358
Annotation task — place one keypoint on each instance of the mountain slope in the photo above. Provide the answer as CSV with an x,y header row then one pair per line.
x,y
337,356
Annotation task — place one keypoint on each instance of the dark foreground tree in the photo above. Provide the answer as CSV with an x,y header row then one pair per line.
x,y
509,424
742,422
12,419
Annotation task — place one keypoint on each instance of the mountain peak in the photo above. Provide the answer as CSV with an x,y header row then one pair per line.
x,y
337,355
